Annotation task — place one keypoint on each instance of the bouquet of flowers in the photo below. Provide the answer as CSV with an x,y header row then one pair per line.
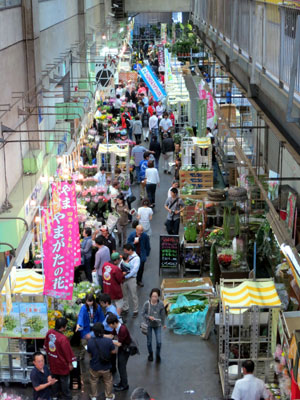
x,y
52,317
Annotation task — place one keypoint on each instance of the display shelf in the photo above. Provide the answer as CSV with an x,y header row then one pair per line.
x,y
199,179
240,333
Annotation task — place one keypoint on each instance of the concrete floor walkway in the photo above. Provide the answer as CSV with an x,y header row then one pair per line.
x,y
188,362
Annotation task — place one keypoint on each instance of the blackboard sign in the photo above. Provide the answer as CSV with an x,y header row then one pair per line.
x,y
169,248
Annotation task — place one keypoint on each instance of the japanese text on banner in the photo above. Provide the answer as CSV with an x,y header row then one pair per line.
x,y
62,248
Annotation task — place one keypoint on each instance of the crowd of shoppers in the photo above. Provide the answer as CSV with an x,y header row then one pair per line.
x,y
118,267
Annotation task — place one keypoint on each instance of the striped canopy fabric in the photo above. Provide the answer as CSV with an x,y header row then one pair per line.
x,y
250,293
26,282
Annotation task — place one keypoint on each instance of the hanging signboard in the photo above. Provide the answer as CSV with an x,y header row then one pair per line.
x,y
202,118
168,70
61,248
291,207
161,55
163,33
169,251
11,323
153,83
34,320
173,33
204,95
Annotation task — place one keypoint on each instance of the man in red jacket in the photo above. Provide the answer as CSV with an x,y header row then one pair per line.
x,y
113,277
60,356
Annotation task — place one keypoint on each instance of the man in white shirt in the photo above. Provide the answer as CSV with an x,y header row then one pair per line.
x,y
101,176
129,285
249,387
120,90
114,193
165,124
117,105
153,124
175,184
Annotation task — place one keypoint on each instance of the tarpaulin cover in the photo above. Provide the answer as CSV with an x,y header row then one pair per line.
x,y
26,282
187,323
250,293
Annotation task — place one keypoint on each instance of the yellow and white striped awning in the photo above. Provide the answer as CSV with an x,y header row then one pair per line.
x,y
25,281
250,293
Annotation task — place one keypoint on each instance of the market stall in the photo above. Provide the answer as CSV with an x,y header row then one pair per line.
x,y
27,315
191,305
24,324
178,99
247,321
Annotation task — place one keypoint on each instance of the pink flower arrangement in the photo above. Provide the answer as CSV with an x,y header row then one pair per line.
x,y
81,218
89,166
6,396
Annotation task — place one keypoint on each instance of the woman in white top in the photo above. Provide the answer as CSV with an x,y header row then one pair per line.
x,y
152,180
144,215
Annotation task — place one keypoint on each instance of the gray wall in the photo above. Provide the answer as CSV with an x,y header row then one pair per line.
x,y
51,27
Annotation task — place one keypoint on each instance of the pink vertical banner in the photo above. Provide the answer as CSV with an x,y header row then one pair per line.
x,y
204,95
161,55
210,106
75,226
61,246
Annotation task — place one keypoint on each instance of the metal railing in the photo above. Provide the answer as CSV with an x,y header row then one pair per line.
x,y
262,32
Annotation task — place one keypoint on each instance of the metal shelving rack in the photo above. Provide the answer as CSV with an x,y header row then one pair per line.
x,y
16,362
244,334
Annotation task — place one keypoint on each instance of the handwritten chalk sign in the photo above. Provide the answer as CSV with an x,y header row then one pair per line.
x,y
169,252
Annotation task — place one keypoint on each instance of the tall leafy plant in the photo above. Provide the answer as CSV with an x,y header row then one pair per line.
x,y
226,223
237,227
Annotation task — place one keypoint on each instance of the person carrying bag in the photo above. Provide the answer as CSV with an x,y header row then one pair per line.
x,y
174,205
154,318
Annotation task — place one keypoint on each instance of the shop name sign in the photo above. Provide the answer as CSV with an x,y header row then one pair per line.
x,y
153,83
61,246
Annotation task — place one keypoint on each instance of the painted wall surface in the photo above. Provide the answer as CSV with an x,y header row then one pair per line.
x,y
56,26
55,11
91,3
135,6
12,79
10,33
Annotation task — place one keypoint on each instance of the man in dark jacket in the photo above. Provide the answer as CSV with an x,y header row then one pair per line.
x,y
86,248
155,146
108,239
141,243
168,149
124,340
101,350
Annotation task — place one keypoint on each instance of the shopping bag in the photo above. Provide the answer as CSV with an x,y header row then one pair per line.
x,y
95,278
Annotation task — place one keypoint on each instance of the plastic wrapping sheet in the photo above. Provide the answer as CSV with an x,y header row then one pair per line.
x,y
187,323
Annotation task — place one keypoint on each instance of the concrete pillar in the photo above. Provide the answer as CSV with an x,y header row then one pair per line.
x,y
82,38
31,34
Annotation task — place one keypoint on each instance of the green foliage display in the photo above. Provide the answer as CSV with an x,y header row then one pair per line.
x,y
266,244
237,227
226,223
